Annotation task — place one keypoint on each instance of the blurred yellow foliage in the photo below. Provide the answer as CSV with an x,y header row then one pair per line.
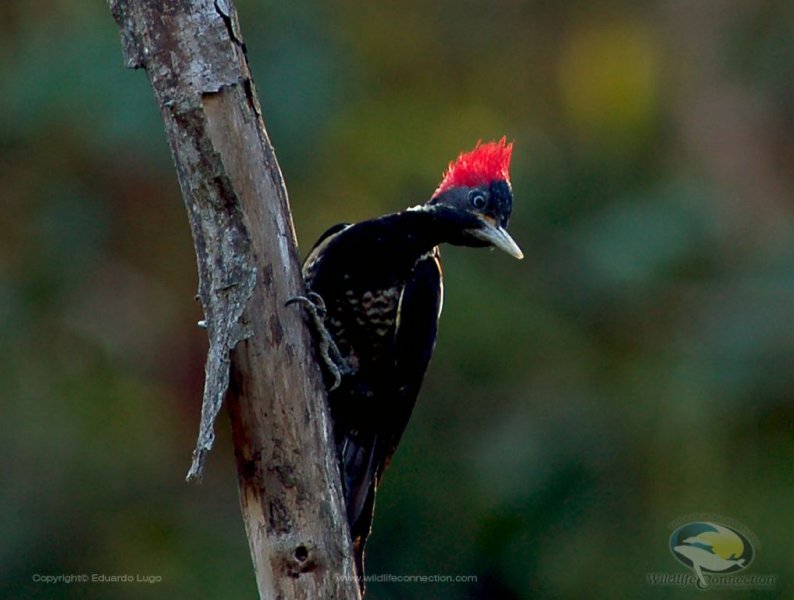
x,y
609,79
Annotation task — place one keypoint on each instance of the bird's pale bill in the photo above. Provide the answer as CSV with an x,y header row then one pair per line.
x,y
498,236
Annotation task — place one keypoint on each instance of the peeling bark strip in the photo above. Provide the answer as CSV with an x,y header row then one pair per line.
x,y
290,492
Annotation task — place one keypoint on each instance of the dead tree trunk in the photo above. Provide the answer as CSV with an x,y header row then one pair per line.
x,y
237,206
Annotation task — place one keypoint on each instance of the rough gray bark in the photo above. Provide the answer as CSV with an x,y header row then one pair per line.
x,y
237,206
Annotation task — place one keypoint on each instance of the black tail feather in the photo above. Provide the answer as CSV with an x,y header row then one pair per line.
x,y
359,531
360,465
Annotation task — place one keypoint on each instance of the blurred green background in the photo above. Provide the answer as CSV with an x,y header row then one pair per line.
x,y
636,367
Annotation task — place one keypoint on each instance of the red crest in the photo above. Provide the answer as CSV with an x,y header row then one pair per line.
x,y
486,163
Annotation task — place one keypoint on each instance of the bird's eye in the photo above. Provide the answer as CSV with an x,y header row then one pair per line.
x,y
478,200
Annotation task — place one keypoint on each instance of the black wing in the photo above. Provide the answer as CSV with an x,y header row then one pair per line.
x,y
415,339
366,453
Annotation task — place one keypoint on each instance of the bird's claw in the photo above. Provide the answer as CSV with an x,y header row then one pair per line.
x,y
313,302
329,351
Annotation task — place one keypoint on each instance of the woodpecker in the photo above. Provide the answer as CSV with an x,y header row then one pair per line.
x,y
375,294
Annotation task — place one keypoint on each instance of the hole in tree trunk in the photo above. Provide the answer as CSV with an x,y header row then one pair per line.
x,y
301,553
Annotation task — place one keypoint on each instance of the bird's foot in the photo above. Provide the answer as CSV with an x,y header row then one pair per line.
x,y
332,358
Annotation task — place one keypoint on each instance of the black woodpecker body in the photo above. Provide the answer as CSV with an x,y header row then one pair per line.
x,y
380,281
